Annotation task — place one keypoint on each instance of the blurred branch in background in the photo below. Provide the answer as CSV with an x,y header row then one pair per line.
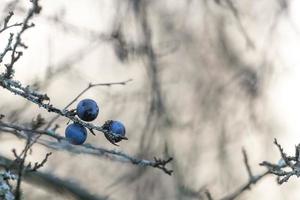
x,y
235,12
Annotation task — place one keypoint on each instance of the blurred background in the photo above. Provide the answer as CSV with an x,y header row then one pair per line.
x,y
209,77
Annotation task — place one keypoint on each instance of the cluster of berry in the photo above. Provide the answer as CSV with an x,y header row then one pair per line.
x,y
88,110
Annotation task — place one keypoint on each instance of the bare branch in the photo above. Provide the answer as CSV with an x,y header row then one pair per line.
x,y
15,55
39,165
7,48
246,186
6,20
63,144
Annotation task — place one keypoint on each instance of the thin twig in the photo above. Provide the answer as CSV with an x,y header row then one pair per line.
x,y
6,20
245,186
286,169
21,168
38,165
247,164
84,91
252,180
15,55
7,48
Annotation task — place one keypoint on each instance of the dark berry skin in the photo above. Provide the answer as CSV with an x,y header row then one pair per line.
x,y
87,110
117,128
76,134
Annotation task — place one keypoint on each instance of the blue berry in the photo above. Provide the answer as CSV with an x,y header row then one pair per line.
x,y
76,133
87,110
117,128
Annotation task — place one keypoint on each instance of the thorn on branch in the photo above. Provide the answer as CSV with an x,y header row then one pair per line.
x,y
8,17
41,164
6,21
283,155
15,154
246,162
161,164
91,130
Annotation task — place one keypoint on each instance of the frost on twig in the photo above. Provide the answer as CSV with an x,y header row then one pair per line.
x,y
18,43
5,189
287,166
39,99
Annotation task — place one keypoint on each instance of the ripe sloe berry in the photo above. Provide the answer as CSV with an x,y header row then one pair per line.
x,y
117,128
76,134
87,110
